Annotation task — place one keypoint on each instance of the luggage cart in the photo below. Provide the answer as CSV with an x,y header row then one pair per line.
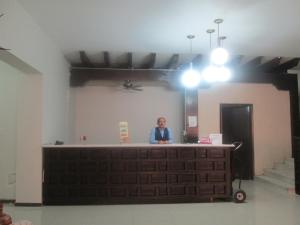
x,y
239,195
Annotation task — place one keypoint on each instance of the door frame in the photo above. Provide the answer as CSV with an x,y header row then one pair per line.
x,y
225,105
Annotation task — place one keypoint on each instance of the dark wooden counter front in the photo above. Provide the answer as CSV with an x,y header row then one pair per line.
x,y
135,174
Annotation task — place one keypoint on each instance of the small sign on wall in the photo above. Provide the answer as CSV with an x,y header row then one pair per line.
x,y
124,133
192,121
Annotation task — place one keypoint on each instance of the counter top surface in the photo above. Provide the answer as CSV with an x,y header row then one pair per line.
x,y
135,145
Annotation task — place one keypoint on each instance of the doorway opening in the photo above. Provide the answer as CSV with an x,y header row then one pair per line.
x,y
21,98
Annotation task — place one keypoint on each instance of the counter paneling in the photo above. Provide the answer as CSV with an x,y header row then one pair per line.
x,y
135,174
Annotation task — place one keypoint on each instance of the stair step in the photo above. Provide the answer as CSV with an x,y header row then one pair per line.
x,y
290,162
275,183
281,174
284,166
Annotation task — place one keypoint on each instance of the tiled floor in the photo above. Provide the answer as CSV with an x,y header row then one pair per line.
x,y
265,205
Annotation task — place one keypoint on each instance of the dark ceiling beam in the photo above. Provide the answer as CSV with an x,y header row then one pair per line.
x,y
173,62
129,60
284,67
281,81
1,48
197,60
269,65
4,48
196,63
150,61
252,63
106,59
76,65
234,61
86,62
79,76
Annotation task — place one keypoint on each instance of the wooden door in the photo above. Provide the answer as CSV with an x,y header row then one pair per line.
x,y
236,125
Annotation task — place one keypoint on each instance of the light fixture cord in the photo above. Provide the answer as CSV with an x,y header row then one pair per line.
x,y
191,46
191,51
210,41
218,36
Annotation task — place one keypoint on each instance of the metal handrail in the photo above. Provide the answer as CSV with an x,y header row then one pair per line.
x,y
237,145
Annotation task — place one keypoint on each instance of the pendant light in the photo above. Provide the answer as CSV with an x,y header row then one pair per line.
x,y
224,73
191,78
209,74
216,71
219,56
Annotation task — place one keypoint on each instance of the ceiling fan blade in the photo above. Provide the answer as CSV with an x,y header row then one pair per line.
x,y
136,88
6,49
137,85
128,85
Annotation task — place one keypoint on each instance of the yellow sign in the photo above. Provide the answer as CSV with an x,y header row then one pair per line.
x,y
124,134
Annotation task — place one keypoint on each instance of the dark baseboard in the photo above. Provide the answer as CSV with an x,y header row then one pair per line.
x,y
7,201
28,204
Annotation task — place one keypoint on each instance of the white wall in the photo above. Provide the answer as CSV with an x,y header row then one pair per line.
x,y
21,34
271,118
10,84
99,109
30,45
29,136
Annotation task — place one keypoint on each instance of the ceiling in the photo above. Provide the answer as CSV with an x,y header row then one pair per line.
x,y
267,28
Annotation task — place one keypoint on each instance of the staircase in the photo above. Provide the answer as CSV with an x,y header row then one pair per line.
x,y
282,176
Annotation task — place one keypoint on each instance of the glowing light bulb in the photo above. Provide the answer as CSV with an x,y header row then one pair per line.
x,y
190,78
216,73
219,56
210,74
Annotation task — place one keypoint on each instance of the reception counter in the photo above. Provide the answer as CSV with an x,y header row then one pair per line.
x,y
135,173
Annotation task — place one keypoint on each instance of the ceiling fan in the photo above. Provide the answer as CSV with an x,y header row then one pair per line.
x,y
2,14
129,85
4,48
